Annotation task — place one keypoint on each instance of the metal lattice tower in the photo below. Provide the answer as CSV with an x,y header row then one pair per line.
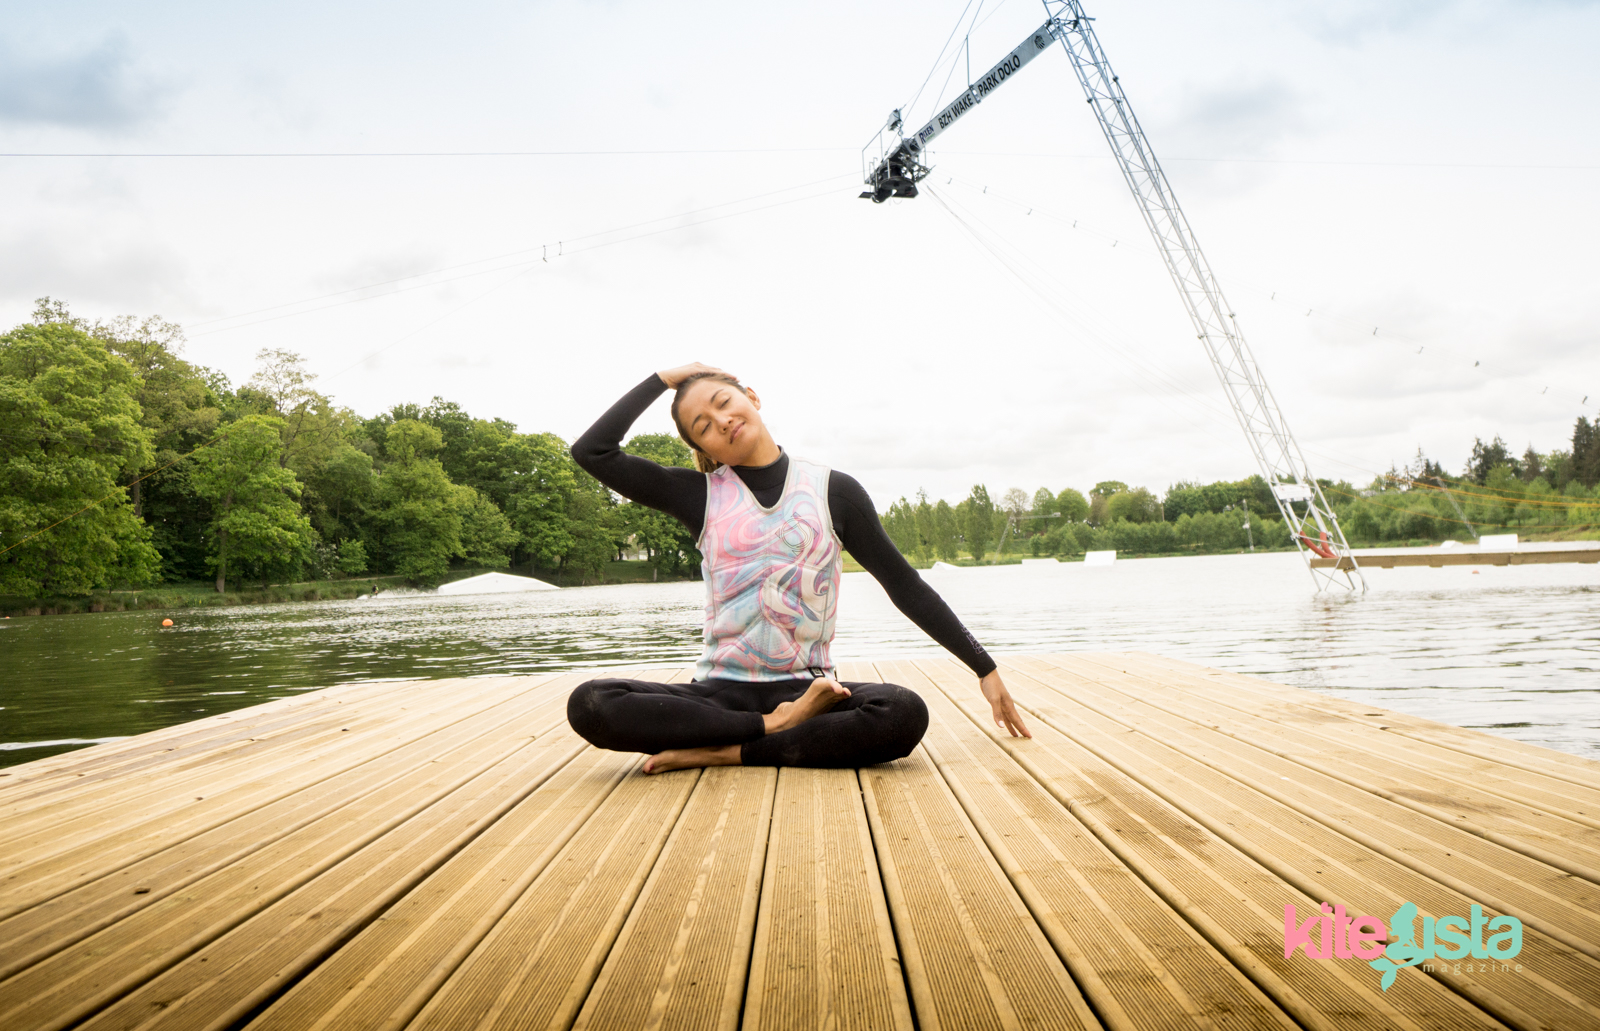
x,y
1306,512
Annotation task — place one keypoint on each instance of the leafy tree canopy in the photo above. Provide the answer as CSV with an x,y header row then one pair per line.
x,y
70,429
256,522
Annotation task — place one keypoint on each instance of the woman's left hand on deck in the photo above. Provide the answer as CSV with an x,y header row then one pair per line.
x,y
1005,710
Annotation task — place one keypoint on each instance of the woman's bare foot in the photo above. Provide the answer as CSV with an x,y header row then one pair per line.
x,y
822,695
692,758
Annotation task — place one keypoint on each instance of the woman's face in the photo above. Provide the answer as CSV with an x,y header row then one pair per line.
x,y
723,421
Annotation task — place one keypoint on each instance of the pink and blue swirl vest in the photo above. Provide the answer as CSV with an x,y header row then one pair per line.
x,y
772,578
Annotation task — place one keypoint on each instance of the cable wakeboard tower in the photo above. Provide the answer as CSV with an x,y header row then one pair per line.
x,y
893,164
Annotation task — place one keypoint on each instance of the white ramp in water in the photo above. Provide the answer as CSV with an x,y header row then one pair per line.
x,y
496,583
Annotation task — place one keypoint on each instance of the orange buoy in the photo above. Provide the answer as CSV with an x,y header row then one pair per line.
x,y
166,622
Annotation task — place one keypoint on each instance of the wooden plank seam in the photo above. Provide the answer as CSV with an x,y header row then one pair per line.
x,y
1467,989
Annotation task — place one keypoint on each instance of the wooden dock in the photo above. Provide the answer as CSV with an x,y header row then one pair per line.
x,y
1524,554
448,855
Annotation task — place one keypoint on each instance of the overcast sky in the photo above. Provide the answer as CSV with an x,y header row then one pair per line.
x,y
1422,168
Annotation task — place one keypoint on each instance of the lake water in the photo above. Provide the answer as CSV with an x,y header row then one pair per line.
x,y
1513,650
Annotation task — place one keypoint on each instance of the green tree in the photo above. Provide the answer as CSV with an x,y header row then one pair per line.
x,y
69,432
340,492
1485,457
256,521
309,424
925,531
900,523
477,453
1136,506
946,540
418,509
667,543
175,402
486,535
542,478
1188,497
977,522
1073,506
178,406
1015,503
595,528
1586,451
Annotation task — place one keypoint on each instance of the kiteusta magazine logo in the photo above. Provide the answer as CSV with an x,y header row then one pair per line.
x,y
1333,934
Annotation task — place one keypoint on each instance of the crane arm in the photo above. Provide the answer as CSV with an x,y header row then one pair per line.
x,y
897,169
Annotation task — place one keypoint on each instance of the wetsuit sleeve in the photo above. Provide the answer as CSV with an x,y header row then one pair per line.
x,y
679,492
863,536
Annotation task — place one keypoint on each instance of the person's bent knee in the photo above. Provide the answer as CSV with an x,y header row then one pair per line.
x,y
586,713
908,721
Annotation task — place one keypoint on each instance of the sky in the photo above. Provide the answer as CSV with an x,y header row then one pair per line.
x,y
527,208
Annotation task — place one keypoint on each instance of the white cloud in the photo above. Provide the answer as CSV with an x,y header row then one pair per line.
x,y
885,342
96,87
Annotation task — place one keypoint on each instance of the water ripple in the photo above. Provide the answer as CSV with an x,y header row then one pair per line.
x,y
1512,650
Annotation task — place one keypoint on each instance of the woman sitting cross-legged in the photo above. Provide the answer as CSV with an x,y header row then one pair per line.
x,y
771,528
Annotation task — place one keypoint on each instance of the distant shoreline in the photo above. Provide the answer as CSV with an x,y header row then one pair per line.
x,y
201,595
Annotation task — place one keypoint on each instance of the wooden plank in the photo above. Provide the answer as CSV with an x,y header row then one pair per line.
x,y
139,837
231,739
1573,778
1556,834
244,778
214,741
1508,753
1543,897
64,769
72,915
514,928
683,957
239,973
1233,900
536,966
1558,987
219,741
1139,964
974,958
972,954
72,984
1571,781
824,955
1128,868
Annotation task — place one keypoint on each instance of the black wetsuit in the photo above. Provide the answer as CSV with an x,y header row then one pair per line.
x,y
879,722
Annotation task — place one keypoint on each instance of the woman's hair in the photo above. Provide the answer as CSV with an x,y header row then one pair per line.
x,y
702,461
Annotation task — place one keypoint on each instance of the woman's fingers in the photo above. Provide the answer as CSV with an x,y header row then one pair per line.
x,y
1005,710
673,377
1006,716
1016,720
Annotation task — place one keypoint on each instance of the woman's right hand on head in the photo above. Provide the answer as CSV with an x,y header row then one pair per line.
x,y
672,377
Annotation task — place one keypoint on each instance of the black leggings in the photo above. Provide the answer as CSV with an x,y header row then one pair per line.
x,y
876,724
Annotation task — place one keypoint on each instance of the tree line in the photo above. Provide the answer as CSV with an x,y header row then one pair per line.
x,y
126,465
1548,493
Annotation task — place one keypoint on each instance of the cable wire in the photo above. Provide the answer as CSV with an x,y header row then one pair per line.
x,y
563,249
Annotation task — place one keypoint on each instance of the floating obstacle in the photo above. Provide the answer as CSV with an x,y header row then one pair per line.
x,y
495,583
448,854
1490,554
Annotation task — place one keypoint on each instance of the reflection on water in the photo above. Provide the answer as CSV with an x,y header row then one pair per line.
x,y
1512,650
